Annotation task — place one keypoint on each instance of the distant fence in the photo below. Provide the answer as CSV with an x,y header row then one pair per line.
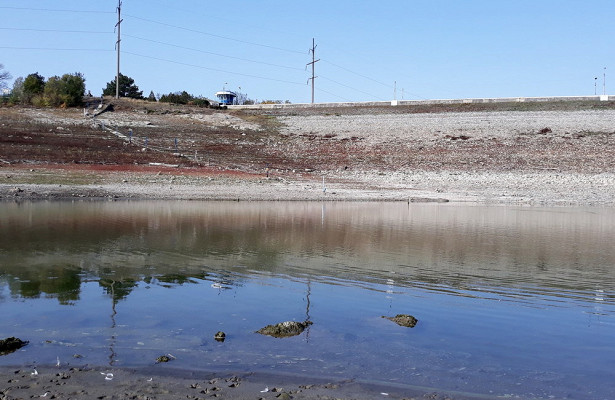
x,y
426,102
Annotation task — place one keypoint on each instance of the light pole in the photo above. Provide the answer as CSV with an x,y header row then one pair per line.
x,y
604,81
595,86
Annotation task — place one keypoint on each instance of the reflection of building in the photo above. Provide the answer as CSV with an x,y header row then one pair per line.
x,y
226,97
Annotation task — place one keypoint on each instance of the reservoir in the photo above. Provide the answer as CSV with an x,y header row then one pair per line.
x,y
511,301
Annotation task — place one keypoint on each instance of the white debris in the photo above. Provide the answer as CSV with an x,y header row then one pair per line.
x,y
108,376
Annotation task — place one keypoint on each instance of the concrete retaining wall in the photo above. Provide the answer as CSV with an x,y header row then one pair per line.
x,y
427,102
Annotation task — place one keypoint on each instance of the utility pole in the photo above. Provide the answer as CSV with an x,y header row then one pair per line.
x,y
314,61
117,45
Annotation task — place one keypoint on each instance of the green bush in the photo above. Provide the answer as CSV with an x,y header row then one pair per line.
x,y
177,98
38,101
200,102
33,85
184,98
72,89
52,94
67,90
127,88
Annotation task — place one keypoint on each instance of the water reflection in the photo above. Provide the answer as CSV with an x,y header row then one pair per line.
x,y
51,247
491,286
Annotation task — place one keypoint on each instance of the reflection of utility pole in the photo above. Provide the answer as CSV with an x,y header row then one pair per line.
x,y
314,61
112,355
307,309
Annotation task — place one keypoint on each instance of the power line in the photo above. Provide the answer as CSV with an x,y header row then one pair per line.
x,y
50,48
212,69
358,74
215,54
350,87
56,10
52,30
333,94
371,79
214,35
252,27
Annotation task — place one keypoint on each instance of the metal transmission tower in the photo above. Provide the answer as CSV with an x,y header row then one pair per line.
x,y
117,46
314,61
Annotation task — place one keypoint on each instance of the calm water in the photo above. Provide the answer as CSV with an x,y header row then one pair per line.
x,y
510,300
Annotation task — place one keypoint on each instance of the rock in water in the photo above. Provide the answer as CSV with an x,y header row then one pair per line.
x,y
284,329
162,359
403,320
10,345
220,336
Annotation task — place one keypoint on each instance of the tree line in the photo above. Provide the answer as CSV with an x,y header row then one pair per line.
x,y
68,90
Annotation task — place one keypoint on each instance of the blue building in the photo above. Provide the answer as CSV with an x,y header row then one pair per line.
x,y
225,97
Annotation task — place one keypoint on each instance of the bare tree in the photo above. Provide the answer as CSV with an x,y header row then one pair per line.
x,y
4,77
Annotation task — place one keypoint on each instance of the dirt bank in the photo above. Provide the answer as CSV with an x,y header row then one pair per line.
x,y
506,153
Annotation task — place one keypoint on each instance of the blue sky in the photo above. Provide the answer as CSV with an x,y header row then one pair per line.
x,y
430,49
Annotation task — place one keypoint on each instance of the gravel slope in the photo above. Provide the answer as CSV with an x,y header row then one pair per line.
x,y
553,156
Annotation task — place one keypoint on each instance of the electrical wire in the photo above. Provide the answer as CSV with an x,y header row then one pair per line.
x,y
51,30
368,78
50,48
358,74
56,10
186,48
350,87
212,69
212,53
332,94
214,35
244,25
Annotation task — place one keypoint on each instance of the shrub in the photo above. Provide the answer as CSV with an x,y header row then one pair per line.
x,y
67,90
33,85
200,102
127,88
184,98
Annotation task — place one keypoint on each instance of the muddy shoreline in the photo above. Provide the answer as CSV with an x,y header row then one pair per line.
x,y
161,382
509,188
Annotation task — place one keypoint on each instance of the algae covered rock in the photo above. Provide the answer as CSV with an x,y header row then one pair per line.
x,y
163,359
220,336
403,320
284,329
10,345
